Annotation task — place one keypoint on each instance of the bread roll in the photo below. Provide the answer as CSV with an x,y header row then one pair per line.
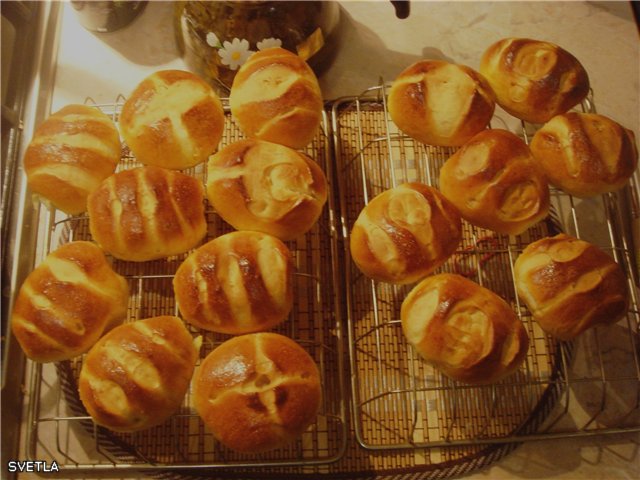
x,y
534,80
466,331
67,303
173,119
238,283
263,186
570,285
147,213
137,375
257,392
275,96
71,152
494,182
440,103
405,233
585,154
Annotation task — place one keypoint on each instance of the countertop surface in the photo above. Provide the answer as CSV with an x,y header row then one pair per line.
x,y
602,35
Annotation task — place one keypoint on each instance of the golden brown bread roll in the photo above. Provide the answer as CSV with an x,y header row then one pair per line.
x,y
405,233
494,182
440,103
238,283
71,152
466,331
147,213
534,80
257,392
275,96
570,285
68,302
173,119
585,154
266,187
137,375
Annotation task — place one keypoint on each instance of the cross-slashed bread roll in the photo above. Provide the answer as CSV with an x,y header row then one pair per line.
x,y
585,154
71,152
570,285
266,187
275,96
494,182
173,119
237,283
257,392
464,330
68,302
534,80
147,213
405,233
136,376
440,103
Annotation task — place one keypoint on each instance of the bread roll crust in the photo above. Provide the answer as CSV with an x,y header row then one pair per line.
x,y
71,152
275,96
268,399
266,187
147,213
585,154
570,285
534,80
238,283
173,119
440,103
466,331
494,182
68,302
137,375
405,233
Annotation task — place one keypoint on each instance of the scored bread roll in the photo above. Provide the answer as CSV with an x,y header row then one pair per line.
x,y
440,103
173,119
534,80
137,375
570,285
263,186
494,182
67,302
147,213
585,154
275,96
405,233
237,283
70,153
257,392
464,330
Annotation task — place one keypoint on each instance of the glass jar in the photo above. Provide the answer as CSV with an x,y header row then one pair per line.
x,y
107,16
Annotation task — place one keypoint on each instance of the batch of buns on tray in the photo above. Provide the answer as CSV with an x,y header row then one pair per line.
x,y
259,390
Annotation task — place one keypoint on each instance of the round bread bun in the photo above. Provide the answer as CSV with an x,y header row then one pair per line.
x,y
570,285
173,119
275,96
70,153
147,213
266,187
257,392
237,283
440,103
534,80
405,233
68,302
585,154
494,182
464,330
137,375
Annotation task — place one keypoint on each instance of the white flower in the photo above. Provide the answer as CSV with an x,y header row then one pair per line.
x,y
235,53
269,43
212,40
